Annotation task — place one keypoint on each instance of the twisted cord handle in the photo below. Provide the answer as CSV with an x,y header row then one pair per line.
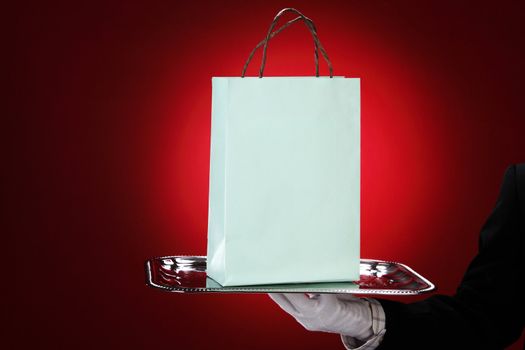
x,y
274,33
270,34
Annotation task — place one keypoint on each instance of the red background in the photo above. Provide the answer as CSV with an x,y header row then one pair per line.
x,y
108,126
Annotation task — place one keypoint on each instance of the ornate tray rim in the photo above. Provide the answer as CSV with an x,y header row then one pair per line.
x,y
255,290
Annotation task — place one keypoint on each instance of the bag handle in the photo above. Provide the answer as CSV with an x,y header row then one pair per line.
x,y
311,27
274,33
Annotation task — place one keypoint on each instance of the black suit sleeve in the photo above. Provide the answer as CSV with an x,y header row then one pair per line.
x,y
486,312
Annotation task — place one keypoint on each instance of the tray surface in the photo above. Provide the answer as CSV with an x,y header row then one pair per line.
x,y
187,274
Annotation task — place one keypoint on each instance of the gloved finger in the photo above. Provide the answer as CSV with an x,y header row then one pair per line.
x,y
313,295
301,302
284,303
327,301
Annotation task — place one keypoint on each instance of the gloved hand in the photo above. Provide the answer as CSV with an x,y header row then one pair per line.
x,y
335,313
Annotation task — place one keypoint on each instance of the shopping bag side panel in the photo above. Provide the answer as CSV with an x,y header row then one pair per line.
x,y
216,206
348,96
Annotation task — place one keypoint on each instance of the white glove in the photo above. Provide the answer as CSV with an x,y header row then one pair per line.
x,y
335,313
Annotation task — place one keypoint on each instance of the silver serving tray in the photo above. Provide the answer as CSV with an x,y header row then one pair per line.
x,y
187,274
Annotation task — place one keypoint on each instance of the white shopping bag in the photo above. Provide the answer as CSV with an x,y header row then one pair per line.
x,y
284,200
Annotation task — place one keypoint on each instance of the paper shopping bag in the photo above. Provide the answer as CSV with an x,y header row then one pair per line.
x,y
284,196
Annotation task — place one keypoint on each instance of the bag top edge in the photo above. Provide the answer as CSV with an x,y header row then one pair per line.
x,y
286,77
